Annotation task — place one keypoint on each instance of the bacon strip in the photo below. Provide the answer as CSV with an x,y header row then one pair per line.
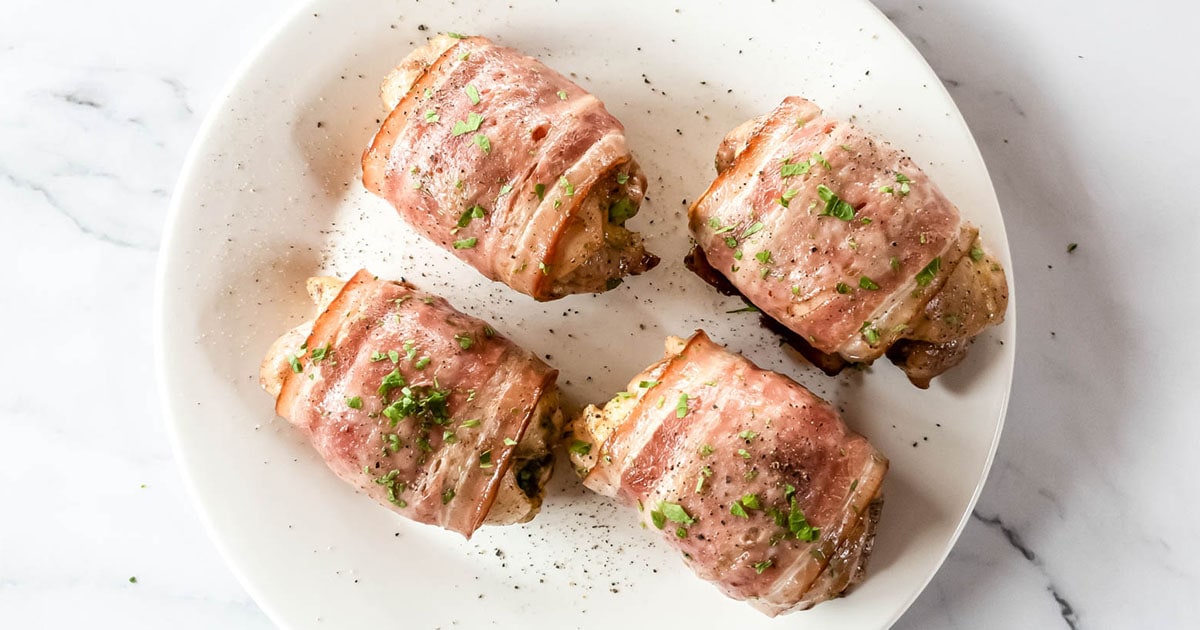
x,y
429,431
851,278
749,457
483,126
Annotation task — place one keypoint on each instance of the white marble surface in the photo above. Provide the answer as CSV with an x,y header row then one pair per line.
x,y
1085,112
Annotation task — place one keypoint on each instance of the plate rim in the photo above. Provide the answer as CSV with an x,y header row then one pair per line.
x,y
170,236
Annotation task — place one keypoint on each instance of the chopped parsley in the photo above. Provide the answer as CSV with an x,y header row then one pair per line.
x,y
736,509
751,502
681,407
706,450
319,354
799,526
843,288
472,123
509,442
473,94
540,191
786,198
485,459
466,243
926,275
747,435
579,447
977,253
647,384
422,363
791,170
820,159
465,340
834,206
868,284
483,143
392,381
759,567
676,513
658,518
745,309
755,228
474,212
295,363
354,402
544,268
469,424
562,94
448,495
568,187
393,356
431,116
764,257
895,263
743,453
622,178
870,333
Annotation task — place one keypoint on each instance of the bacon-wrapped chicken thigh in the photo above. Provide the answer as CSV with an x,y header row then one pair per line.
x,y
426,410
511,166
755,479
844,241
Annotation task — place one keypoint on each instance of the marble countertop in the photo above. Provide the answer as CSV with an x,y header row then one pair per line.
x,y
1086,115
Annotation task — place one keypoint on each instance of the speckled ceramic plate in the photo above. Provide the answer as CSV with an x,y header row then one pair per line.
x,y
271,195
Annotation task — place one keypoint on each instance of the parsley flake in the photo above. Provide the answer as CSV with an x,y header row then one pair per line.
x,y
473,94
681,407
676,513
759,567
579,447
483,143
474,212
472,123
834,206
466,243
755,228
868,284
926,275
789,169
354,402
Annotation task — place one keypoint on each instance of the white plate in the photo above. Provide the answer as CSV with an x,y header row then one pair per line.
x,y
271,195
